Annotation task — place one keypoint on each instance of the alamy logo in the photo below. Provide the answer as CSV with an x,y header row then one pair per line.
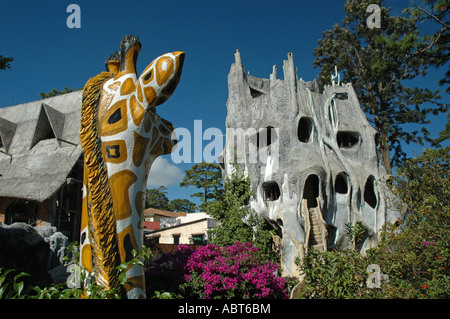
x,y
74,19
373,20
74,279
376,277
250,146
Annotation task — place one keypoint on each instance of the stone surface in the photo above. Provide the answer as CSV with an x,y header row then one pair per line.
x,y
318,168
35,250
23,249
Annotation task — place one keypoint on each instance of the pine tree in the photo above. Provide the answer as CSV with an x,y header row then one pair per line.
x,y
379,62
206,177
157,198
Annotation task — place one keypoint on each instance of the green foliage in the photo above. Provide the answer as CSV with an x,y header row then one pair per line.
x,y
435,44
355,233
378,62
10,285
423,184
164,295
13,286
5,62
55,92
157,198
182,205
206,176
417,253
238,223
414,255
334,274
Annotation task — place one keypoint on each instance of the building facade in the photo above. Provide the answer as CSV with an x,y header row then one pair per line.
x,y
313,160
183,229
41,166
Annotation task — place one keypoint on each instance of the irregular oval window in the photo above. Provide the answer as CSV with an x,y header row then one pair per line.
x,y
340,185
347,139
311,190
377,139
369,192
341,96
304,130
271,191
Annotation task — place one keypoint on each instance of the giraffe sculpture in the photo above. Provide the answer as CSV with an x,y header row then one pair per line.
x,y
121,136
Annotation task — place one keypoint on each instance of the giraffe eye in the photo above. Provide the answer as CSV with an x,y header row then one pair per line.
x,y
148,76
115,117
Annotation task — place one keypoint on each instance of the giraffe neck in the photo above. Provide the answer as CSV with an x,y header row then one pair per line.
x,y
127,136
128,155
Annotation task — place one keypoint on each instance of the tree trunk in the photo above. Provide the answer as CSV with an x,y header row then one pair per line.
x,y
380,126
385,152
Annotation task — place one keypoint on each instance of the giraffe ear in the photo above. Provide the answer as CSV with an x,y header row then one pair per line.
x,y
112,64
129,51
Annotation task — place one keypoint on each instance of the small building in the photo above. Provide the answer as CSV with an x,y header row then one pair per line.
x,y
41,163
41,173
155,214
188,229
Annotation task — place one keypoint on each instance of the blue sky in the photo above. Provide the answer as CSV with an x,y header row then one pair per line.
x,y
47,54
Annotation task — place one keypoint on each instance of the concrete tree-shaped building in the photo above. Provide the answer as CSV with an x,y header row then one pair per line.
x,y
312,157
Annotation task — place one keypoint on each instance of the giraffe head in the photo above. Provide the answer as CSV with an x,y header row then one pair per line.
x,y
159,80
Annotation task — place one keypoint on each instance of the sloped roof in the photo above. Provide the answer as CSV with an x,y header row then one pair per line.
x,y
39,146
160,212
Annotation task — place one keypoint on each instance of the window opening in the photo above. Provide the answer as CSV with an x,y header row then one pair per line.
x,y
341,96
340,185
266,137
304,130
369,192
347,139
198,239
311,190
271,191
377,139
7,130
255,93
44,130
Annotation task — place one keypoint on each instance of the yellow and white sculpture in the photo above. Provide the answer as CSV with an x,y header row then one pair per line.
x,y
121,136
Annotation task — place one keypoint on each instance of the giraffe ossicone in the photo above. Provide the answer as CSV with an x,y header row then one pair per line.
x,y
121,136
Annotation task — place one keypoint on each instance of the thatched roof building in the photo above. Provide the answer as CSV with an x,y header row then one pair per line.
x,y
41,162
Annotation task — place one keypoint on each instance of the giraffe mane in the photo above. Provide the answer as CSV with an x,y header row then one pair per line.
x,y
100,208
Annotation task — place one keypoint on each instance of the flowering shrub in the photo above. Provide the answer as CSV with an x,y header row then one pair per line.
x,y
231,272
